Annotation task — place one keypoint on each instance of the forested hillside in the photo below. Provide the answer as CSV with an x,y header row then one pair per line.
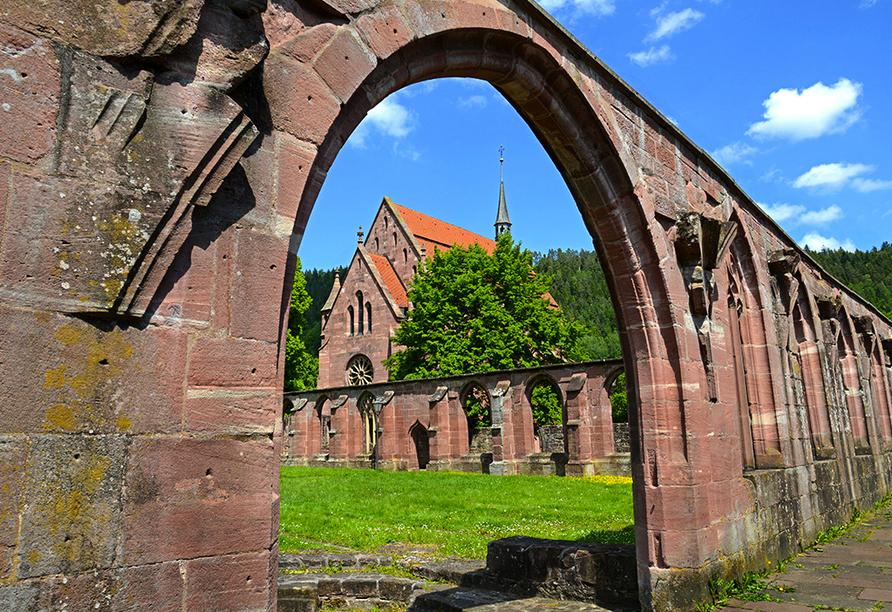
x,y
867,273
319,284
579,287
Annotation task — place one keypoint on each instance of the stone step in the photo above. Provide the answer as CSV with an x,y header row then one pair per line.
x,y
460,599
365,590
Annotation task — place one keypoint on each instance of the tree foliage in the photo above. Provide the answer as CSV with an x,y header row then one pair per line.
x,y
318,286
619,403
475,312
867,273
301,366
545,401
579,286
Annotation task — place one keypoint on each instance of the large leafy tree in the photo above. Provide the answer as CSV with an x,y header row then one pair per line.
x,y
301,367
475,312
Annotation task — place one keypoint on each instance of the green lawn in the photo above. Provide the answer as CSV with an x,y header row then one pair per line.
x,y
446,512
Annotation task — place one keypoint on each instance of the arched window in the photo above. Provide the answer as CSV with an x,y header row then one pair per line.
x,y
385,221
360,329
377,246
350,313
360,371
368,316
369,423
405,255
394,239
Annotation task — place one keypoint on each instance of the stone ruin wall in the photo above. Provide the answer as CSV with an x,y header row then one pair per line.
x,y
434,407
155,181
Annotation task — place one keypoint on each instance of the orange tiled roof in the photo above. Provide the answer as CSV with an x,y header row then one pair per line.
x,y
388,274
433,234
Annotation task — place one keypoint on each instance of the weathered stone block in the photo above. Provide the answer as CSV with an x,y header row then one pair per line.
x,y
232,362
384,31
72,520
108,28
187,498
300,102
230,583
13,452
231,411
344,64
294,162
257,287
86,377
30,90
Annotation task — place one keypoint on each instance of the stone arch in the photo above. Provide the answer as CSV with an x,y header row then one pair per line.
x,y
476,403
563,105
366,407
548,438
421,440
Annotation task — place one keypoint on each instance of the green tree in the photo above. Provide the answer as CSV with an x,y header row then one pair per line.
x,y
545,401
475,312
301,367
580,287
619,403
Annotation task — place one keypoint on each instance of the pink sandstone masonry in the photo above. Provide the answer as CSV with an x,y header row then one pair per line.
x,y
158,164
423,424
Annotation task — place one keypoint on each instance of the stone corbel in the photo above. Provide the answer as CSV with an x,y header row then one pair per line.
x,y
577,382
783,265
385,398
887,351
438,394
338,402
299,404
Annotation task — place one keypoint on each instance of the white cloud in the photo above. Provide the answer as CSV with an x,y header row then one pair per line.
x,y
794,214
475,101
816,242
673,23
389,118
783,212
814,112
821,217
831,177
867,3
734,152
598,8
652,56
866,185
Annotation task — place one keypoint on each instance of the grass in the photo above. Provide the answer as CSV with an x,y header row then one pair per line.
x,y
446,513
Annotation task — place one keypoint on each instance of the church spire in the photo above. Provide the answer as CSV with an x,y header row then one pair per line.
x,y
503,223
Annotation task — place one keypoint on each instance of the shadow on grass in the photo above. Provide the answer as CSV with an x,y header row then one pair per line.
x,y
626,535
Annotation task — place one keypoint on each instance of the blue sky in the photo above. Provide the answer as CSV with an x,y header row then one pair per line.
x,y
793,99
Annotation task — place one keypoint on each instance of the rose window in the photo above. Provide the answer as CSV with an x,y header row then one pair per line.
x,y
360,371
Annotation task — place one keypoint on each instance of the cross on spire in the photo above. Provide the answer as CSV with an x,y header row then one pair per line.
x,y
503,223
360,234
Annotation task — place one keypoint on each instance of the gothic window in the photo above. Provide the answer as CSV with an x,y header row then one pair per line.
x,y
377,247
350,313
394,239
368,317
360,371
405,255
360,328
369,423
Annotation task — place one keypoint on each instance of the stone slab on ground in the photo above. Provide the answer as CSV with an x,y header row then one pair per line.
x,y
853,572
460,599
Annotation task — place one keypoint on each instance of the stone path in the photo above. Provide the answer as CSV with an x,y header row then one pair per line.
x,y
853,572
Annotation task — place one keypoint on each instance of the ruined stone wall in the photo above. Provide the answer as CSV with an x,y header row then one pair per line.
x,y
434,409
156,179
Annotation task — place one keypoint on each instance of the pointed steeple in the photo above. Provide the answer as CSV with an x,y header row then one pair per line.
x,y
503,223
332,296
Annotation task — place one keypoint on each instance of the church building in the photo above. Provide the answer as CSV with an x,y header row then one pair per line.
x,y
363,311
